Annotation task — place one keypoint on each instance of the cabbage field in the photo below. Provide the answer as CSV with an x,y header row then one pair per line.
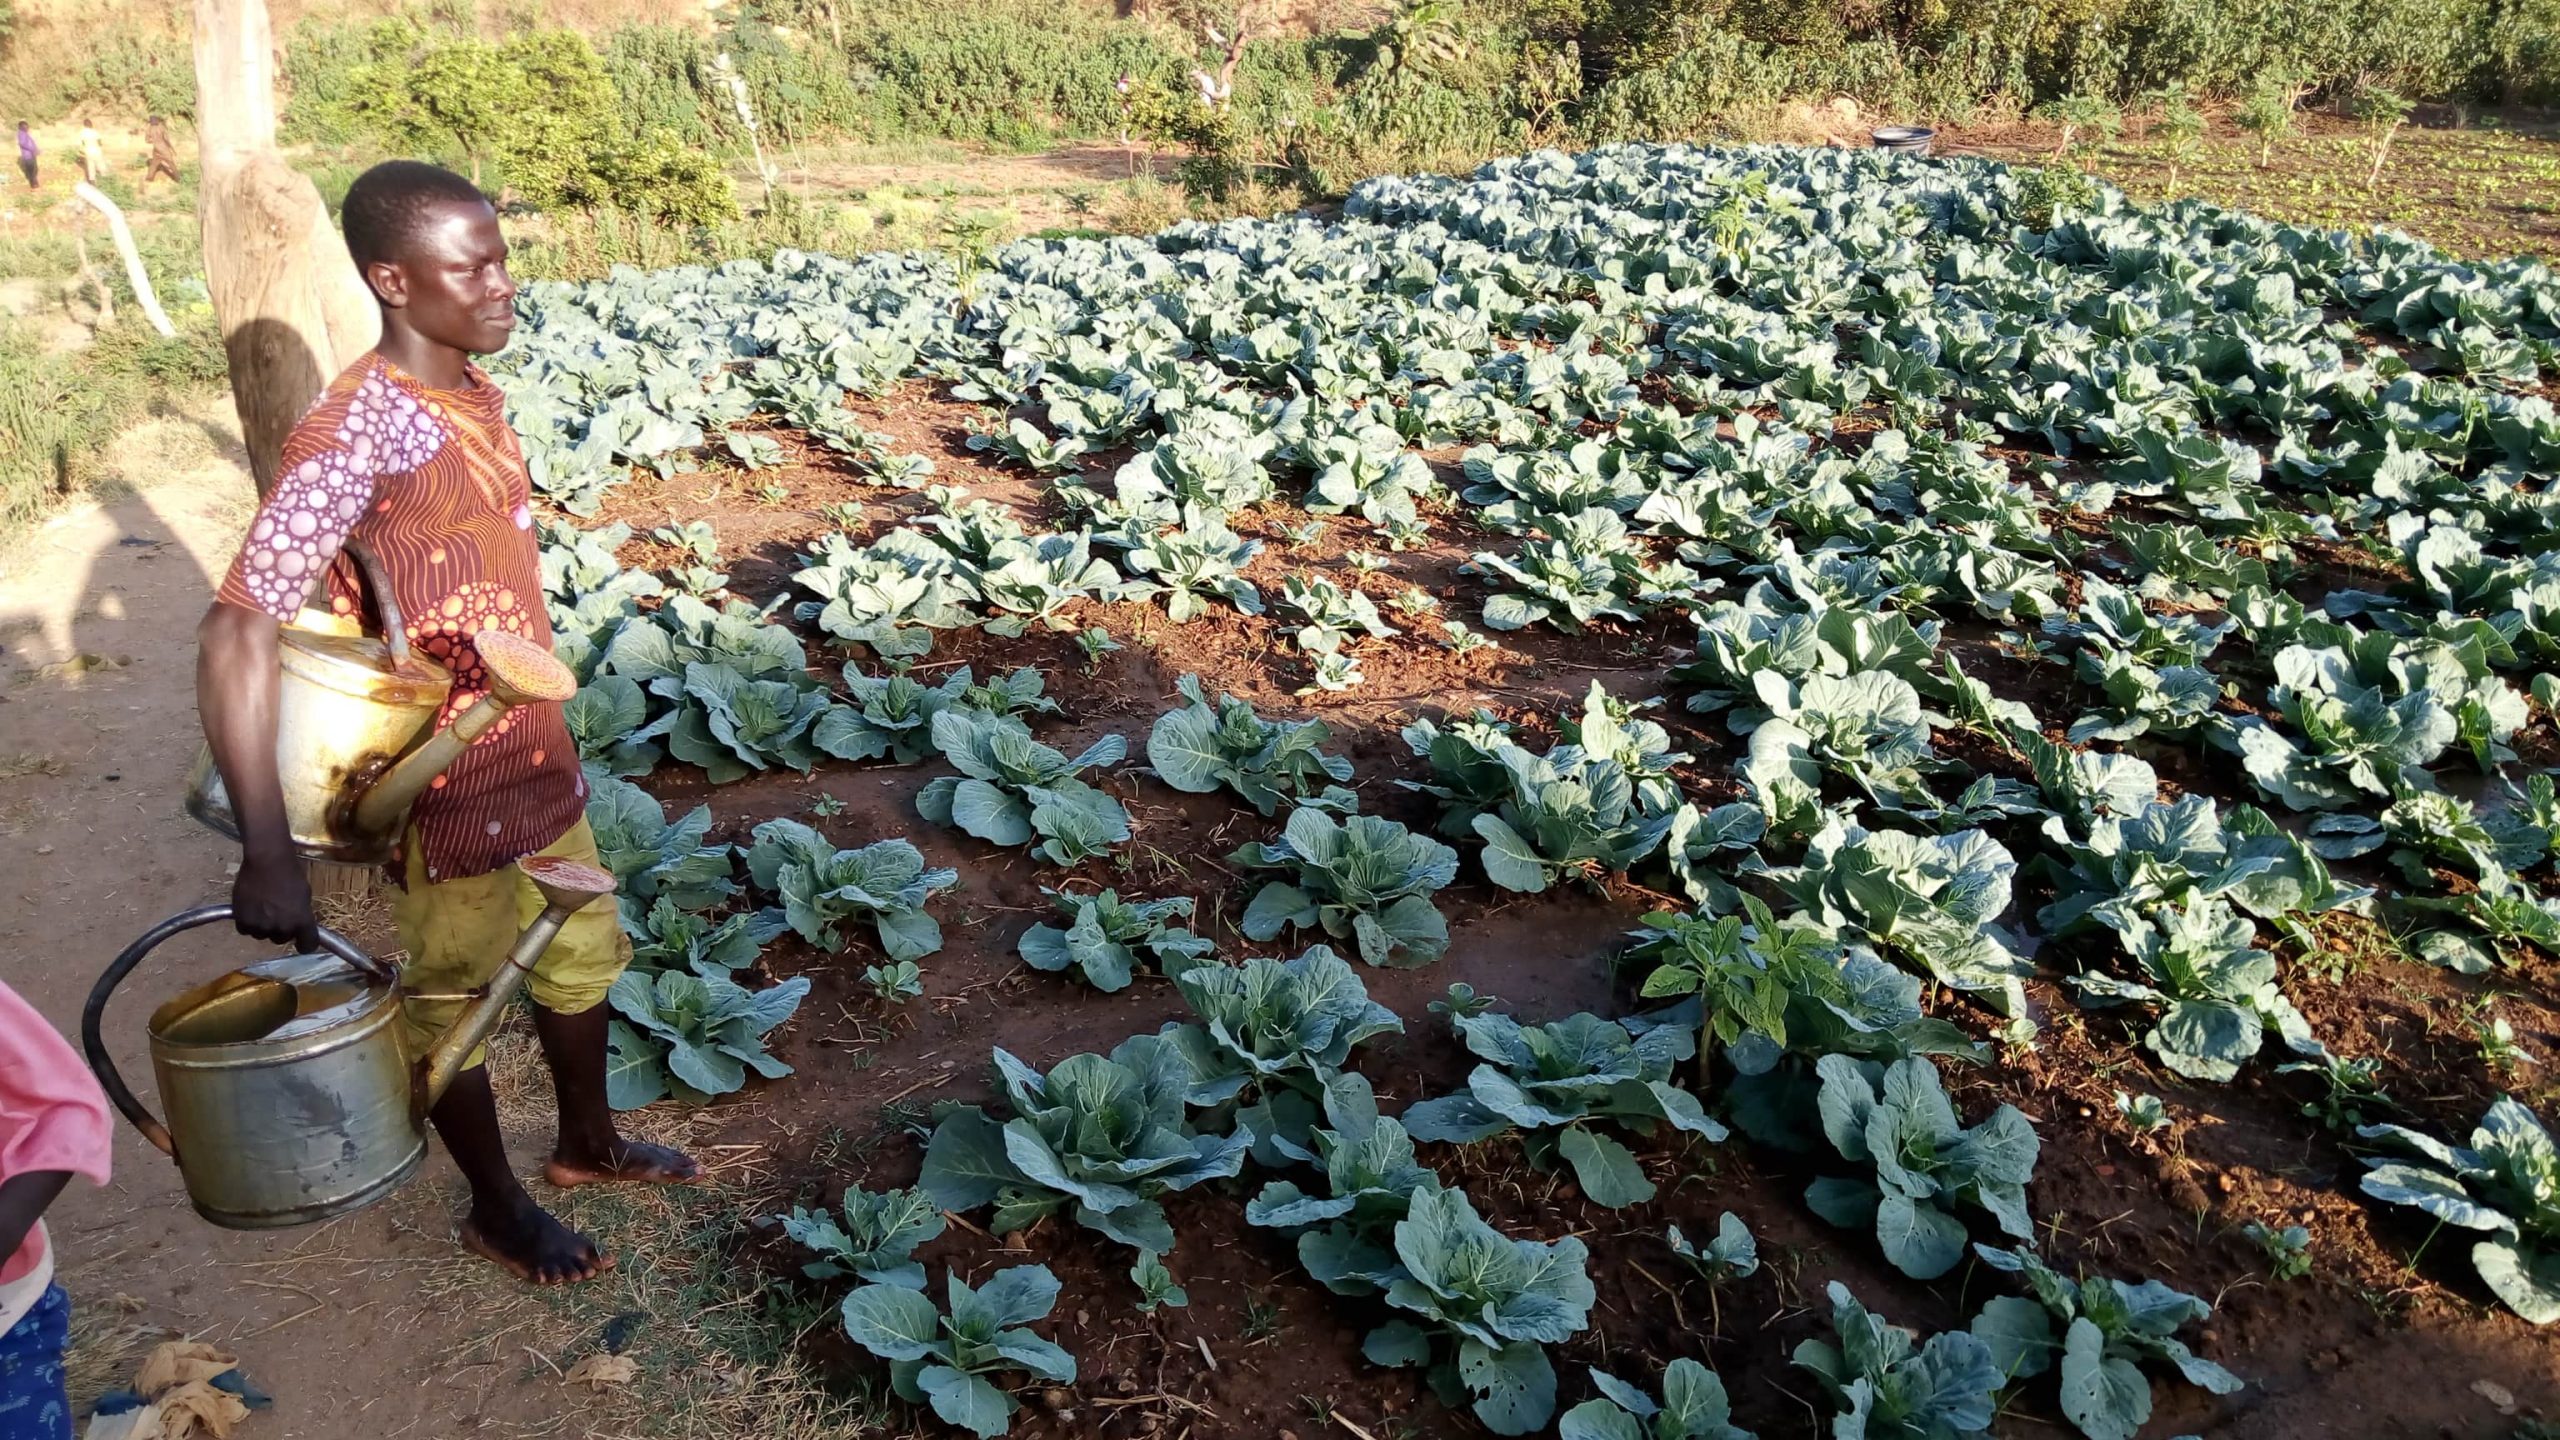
x,y
1667,793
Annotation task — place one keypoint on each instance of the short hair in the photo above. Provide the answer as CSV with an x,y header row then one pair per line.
x,y
387,204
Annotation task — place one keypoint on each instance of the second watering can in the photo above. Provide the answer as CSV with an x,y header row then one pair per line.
x,y
355,725
290,1094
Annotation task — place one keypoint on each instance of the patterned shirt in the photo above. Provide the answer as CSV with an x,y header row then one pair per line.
x,y
434,483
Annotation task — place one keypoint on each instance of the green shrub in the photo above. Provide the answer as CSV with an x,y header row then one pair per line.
x,y
56,413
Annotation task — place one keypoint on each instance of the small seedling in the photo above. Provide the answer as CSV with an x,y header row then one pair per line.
x,y
1306,534
1731,1255
1364,562
1413,600
1156,1287
1261,1319
1462,1002
2288,1250
826,805
895,983
1460,639
2498,1048
774,494
2352,1093
2143,1113
1095,642
843,514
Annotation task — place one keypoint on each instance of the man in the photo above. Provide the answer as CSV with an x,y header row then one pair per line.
x,y
93,158
27,154
409,452
164,152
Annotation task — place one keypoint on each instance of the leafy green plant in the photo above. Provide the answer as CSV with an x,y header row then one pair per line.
x,y
2109,1328
2287,1249
1198,748
1156,1287
1582,570
1362,878
1031,581
1925,1161
890,717
1107,938
1197,563
651,857
1275,1032
1541,817
694,1038
885,883
1484,1308
1889,1386
670,937
2215,990
1105,1136
1731,1255
942,1355
1371,1178
890,595
2505,1183
1462,1002
2144,1113
874,1238
2351,1089
733,727
1560,1082
1694,1407
1926,898
1013,790
895,983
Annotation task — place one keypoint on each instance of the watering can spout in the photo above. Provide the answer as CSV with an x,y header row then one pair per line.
x,y
520,671
567,887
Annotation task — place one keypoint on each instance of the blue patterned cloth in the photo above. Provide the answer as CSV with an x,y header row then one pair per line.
x,y
33,1403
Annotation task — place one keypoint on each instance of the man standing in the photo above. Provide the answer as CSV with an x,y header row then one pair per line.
x,y
409,452
93,159
164,153
27,154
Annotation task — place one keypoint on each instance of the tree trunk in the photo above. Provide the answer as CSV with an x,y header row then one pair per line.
x,y
292,309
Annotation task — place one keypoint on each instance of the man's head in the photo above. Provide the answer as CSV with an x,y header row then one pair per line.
x,y
427,243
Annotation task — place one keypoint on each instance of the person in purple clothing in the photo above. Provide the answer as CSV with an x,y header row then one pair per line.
x,y
27,153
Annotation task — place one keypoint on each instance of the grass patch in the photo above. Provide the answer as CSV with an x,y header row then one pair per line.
x,y
56,414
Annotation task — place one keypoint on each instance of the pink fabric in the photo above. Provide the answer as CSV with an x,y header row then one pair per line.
x,y
52,1114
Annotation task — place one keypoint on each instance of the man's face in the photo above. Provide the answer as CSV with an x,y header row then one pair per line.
x,y
451,283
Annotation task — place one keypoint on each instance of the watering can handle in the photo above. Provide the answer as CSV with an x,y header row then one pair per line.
x,y
377,582
93,1014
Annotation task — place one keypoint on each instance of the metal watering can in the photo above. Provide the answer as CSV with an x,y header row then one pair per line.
x,y
289,1094
355,717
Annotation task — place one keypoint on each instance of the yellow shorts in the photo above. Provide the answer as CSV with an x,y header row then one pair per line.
x,y
459,932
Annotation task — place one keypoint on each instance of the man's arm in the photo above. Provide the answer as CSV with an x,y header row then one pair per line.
x,y
23,1199
237,676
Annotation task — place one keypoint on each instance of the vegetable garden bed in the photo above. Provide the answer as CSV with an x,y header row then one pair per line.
x,y
2060,696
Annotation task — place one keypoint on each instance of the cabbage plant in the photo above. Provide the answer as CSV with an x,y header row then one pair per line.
x,y
1197,748
1362,879
1923,1159
872,1236
1275,1032
1887,1385
885,884
1101,1136
942,1355
1107,938
2505,1183
2108,1329
1561,1083
1693,1407
1012,790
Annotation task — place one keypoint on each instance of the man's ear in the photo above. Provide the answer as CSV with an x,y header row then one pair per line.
x,y
389,283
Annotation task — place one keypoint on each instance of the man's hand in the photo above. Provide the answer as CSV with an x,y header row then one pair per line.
x,y
271,900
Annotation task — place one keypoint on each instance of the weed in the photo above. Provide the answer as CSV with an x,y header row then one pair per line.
x,y
1261,1319
2287,1251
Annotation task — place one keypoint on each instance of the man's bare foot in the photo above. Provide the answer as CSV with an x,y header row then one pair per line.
x,y
621,1160
529,1243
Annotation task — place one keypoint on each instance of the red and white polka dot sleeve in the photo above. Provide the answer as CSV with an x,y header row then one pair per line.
x,y
331,465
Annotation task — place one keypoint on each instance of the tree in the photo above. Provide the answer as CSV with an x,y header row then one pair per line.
x,y
464,89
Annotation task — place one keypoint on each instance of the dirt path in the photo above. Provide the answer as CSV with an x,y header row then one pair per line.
x,y
97,727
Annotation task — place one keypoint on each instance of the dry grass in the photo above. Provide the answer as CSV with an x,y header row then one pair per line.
x,y
107,1346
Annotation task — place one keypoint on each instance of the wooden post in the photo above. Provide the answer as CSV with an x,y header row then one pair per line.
x,y
293,311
